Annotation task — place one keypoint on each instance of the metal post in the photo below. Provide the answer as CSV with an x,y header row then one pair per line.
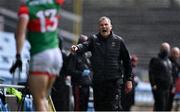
x,y
77,9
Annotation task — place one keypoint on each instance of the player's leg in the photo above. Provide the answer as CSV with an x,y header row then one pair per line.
x,y
44,67
50,105
38,85
57,65
40,67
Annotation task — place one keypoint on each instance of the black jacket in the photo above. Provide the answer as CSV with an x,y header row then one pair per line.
x,y
76,64
175,69
160,72
107,55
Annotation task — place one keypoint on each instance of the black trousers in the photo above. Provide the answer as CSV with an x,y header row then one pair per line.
x,y
107,95
171,99
161,99
81,97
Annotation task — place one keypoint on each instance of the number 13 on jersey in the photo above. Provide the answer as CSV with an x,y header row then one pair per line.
x,y
48,20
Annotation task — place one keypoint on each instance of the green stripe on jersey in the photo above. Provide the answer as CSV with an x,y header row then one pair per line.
x,y
41,41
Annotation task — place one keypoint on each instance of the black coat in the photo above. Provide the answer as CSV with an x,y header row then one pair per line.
x,y
175,69
160,72
77,63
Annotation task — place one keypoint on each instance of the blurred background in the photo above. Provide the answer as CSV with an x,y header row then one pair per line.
x,y
144,25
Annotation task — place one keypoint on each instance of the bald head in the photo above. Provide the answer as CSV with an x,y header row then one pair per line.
x,y
165,47
164,50
175,52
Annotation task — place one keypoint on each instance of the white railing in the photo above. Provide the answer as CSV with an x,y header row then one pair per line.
x,y
10,85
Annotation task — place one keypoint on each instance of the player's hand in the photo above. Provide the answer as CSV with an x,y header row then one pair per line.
x,y
17,64
74,48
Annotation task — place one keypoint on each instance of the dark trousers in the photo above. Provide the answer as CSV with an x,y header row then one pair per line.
x,y
60,95
161,99
81,97
107,96
171,99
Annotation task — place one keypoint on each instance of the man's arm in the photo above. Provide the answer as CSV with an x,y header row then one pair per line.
x,y
127,67
126,62
152,68
83,47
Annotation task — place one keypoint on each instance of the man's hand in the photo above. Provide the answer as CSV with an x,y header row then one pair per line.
x,y
154,87
17,64
86,72
173,90
128,86
74,48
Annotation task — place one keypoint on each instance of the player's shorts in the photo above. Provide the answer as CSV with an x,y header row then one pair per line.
x,y
48,62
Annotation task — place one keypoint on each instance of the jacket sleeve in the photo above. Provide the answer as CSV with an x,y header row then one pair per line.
x,y
85,46
124,55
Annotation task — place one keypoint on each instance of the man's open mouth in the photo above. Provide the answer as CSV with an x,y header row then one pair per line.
x,y
104,30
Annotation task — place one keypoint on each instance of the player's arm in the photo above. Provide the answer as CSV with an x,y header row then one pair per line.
x,y
20,37
21,27
21,32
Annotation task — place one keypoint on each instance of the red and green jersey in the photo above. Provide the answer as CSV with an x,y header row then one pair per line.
x,y
43,21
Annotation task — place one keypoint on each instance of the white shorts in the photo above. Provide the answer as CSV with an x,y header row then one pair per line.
x,y
48,62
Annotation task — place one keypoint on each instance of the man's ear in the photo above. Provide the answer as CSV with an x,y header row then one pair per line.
x,y
111,27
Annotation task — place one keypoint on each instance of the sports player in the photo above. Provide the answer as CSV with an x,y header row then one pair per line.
x,y
39,20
